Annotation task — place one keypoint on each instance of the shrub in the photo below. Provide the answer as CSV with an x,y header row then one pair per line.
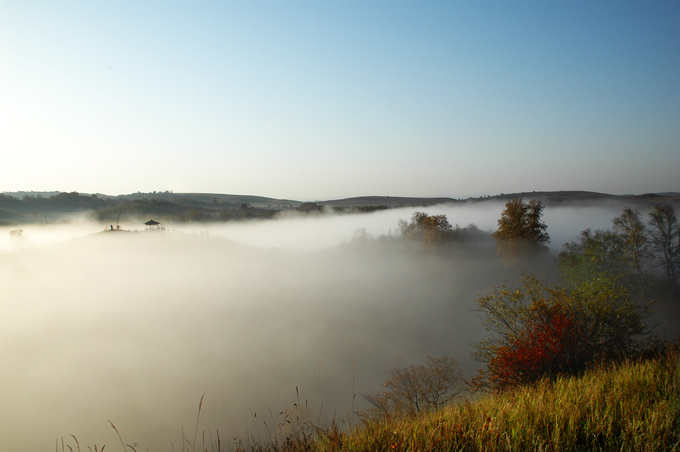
x,y
541,330
553,342
417,389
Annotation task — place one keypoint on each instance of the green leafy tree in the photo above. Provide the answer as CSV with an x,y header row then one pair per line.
x,y
593,253
521,230
417,389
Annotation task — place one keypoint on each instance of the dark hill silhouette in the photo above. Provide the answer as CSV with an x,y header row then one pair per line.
x,y
24,207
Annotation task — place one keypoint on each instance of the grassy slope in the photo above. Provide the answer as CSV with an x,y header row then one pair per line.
x,y
631,406
634,406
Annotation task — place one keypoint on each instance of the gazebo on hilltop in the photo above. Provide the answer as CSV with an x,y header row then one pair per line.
x,y
151,225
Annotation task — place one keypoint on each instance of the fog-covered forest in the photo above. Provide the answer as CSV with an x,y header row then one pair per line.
x,y
135,327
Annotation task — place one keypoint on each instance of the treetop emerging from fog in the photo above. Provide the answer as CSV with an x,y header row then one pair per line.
x,y
520,228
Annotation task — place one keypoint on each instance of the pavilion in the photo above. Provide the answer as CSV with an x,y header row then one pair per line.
x,y
151,225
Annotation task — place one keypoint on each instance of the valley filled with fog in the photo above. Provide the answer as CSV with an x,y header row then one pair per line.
x,y
136,327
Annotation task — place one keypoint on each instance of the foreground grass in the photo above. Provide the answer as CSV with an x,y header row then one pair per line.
x,y
631,406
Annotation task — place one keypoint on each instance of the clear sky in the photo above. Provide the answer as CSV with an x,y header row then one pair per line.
x,y
323,99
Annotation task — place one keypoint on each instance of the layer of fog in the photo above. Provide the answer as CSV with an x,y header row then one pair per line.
x,y
135,327
310,232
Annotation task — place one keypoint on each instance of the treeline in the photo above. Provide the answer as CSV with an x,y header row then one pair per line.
x,y
164,206
38,209
31,209
644,255
138,209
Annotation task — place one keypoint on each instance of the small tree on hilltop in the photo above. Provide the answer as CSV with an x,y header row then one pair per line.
x,y
520,229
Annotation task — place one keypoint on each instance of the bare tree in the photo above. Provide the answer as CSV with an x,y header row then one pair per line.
x,y
417,389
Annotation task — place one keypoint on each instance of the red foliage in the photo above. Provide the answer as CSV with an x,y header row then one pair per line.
x,y
552,342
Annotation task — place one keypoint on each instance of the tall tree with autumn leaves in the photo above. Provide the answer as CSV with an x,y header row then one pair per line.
x,y
521,231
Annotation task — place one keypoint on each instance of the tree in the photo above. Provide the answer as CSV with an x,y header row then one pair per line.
x,y
417,389
665,241
436,228
428,228
552,342
415,229
593,253
631,229
540,330
520,229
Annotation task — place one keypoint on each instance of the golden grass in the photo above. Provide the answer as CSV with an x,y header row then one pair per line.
x,y
628,406
631,406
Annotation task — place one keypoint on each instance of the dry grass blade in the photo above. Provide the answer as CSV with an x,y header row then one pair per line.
x,y
77,444
119,437
198,417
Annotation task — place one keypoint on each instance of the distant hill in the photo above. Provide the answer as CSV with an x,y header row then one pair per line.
x,y
388,201
21,194
550,198
586,197
215,198
17,208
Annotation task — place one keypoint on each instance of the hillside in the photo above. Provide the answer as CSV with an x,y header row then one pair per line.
x,y
630,406
18,208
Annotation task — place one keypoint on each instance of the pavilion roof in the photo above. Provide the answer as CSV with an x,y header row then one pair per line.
x,y
151,222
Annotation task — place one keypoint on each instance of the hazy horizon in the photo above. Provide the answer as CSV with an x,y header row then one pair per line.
x,y
329,100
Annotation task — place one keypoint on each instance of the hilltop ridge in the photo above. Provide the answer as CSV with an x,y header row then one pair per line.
x,y
24,207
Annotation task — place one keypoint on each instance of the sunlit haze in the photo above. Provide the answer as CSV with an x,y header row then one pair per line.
x,y
323,100
258,303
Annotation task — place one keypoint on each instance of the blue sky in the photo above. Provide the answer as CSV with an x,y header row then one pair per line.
x,y
330,99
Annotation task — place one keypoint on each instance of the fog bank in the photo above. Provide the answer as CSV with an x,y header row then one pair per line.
x,y
135,327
